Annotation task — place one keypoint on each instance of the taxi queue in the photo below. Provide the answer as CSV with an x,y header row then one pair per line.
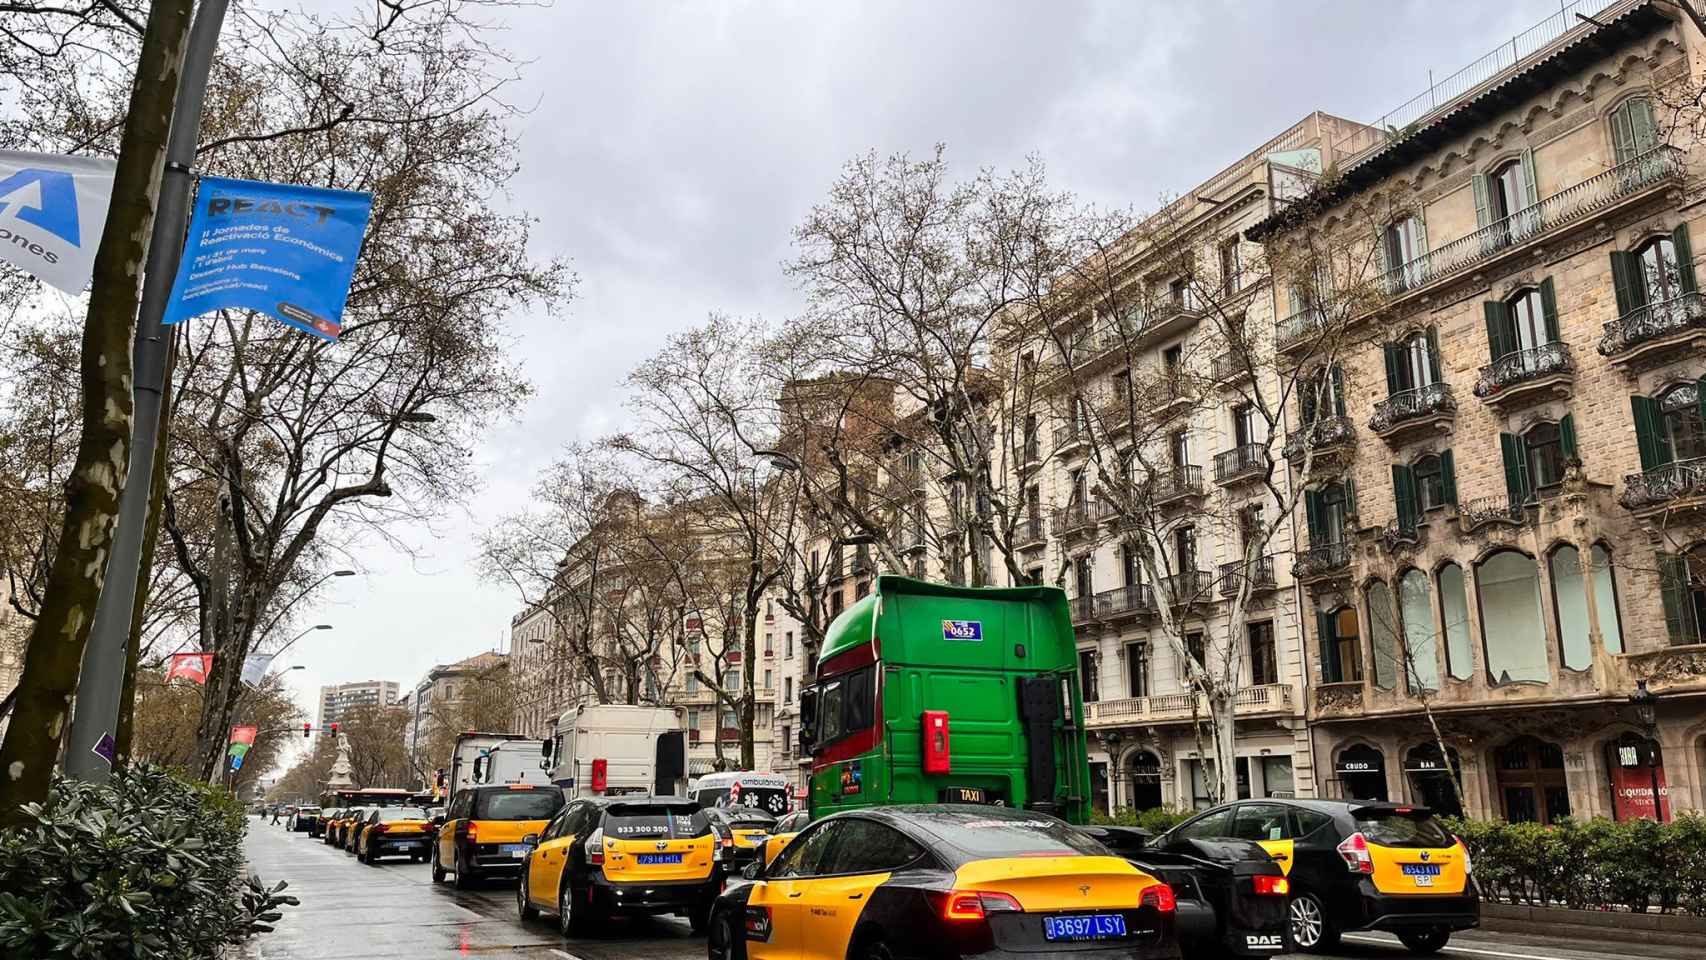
x,y
905,881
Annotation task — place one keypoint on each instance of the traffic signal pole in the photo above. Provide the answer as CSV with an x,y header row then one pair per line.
x,y
94,718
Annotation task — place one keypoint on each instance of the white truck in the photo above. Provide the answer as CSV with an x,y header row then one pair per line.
x,y
494,758
605,749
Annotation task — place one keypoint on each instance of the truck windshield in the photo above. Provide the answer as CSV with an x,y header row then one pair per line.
x,y
655,823
518,804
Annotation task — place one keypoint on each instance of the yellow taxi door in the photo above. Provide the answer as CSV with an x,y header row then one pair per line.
x,y
772,925
1269,825
545,869
828,908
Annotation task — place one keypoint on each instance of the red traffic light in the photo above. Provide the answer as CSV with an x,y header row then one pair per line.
x,y
308,730
334,729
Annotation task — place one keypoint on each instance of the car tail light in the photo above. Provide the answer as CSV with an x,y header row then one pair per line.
x,y
1271,886
595,847
976,905
380,828
1355,851
1467,868
1159,896
473,831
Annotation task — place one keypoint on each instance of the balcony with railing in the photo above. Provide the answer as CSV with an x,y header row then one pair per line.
x,y
1243,462
1178,482
1480,512
1131,600
1527,374
1663,487
1083,610
1230,368
1417,409
1182,588
1300,328
1321,560
1264,700
1326,436
1260,574
1655,328
1077,517
1030,532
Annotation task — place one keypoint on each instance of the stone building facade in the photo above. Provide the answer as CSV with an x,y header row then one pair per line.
x,y
1503,501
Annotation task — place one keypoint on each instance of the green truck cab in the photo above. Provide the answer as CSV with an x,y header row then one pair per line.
x,y
930,693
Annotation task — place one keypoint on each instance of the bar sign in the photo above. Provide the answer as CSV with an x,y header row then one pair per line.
x,y
962,630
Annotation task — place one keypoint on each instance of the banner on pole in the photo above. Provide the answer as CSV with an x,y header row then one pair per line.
x,y
193,667
284,250
244,734
255,668
52,211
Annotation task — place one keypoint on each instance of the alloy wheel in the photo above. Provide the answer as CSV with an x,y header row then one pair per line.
x,y
565,909
1306,922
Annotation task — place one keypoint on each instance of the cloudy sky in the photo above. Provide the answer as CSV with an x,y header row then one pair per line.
x,y
673,146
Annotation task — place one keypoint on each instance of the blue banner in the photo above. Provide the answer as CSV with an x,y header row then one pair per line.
x,y
279,249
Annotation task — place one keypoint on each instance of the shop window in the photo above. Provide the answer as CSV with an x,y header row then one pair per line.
x,y
1513,634
1421,647
1201,770
1454,617
1531,782
1277,780
1570,600
1636,769
1361,771
1145,779
1383,632
1605,598
1431,782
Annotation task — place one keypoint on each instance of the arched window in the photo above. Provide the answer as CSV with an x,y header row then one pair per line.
x,y
1431,780
1544,446
1685,431
1383,631
1454,616
1145,774
1531,781
1511,188
1421,648
1513,633
1341,646
1570,601
1361,771
1659,273
1605,598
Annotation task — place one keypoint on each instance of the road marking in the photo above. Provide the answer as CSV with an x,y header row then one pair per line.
x,y
565,954
1454,949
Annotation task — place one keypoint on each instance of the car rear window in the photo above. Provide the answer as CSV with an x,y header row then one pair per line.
x,y
655,823
518,804
1003,837
736,815
1394,829
393,814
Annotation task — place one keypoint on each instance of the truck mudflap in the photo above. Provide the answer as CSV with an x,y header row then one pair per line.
x,y
1039,711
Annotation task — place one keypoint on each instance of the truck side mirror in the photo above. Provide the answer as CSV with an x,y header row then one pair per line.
x,y
480,765
808,718
545,746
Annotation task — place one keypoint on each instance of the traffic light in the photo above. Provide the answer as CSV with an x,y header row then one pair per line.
x,y
334,729
308,730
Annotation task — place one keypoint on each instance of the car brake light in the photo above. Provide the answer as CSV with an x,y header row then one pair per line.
x,y
1355,851
976,905
473,831
1467,868
1267,886
1160,896
380,828
595,847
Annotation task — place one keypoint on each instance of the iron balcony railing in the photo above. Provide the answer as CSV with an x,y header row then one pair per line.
x,y
1261,574
1652,322
1183,587
1181,480
1521,366
1229,366
1300,326
1434,398
1129,599
1030,530
1567,205
1246,459
1672,481
1321,558
1487,510
1083,609
1079,514
1323,433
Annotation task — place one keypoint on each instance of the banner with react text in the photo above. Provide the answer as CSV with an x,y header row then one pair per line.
x,y
279,249
52,211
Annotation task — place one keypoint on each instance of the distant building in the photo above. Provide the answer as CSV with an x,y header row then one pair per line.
x,y
452,697
338,699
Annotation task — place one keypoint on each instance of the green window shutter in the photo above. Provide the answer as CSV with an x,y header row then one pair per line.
x,y
1627,282
1567,437
1433,352
1404,495
1680,621
1700,397
1622,133
1516,467
1312,510
1390,350
1448,477
1483,203
1421,233
1306,399
1350,486
1498,315
1549,309
1650,436
1643,133
1529,181
1329,649
1684,258
1338,376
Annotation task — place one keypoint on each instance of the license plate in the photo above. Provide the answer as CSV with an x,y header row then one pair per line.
x,y
1093,926
1420,870
516,850
650,859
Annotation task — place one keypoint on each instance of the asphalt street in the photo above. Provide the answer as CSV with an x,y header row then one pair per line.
x,y
351,911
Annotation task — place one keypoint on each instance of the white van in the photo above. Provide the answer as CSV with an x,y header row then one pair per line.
x,y
481,758
614,749
769,792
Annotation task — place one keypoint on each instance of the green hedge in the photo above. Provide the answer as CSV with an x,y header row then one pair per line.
x,y
145,866
1154,820
1596,864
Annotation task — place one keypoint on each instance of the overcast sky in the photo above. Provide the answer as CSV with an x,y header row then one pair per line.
x,y
674,145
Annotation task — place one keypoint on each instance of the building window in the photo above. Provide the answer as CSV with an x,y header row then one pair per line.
x,y
1361,772
1185,549
1531,783
1083,575
1403,242
1145,770
1326,510
1137,669
1034,576
1195,649
1684,429
1087,675
1659,275
1323,393
787,689
1605,598
1179,443
1430,483
1230,266
1511,188
788,644
1341,646
1513,633
1431,780
1246,425
1454,615
1632,129
1421,647
1264,665
769,643
1570,602
1544,443
1383,629
1412,362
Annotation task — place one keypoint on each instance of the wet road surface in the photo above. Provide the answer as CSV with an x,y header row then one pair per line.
x,y
351,911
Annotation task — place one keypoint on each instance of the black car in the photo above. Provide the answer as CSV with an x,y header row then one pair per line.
x,y
304,820
1353,865
741,834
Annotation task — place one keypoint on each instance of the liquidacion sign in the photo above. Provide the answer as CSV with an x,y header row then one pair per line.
x,y
284,250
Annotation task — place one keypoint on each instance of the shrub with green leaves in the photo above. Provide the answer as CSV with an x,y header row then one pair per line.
x,y
146,866
1155,820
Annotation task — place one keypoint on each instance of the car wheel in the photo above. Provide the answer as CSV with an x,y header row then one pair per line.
x,y
572,912
437,870
1425,941
527,911
721,943
1308,925
464,876
876,950
699,917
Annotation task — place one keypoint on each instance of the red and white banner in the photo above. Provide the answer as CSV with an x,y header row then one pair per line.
x,y
190,666
244,734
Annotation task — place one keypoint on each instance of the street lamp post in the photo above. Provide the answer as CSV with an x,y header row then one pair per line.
x,y
1646,705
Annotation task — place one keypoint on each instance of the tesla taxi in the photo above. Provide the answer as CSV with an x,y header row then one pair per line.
x,y
394,831
885,883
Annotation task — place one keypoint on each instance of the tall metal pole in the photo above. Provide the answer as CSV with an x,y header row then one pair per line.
x,y
95,715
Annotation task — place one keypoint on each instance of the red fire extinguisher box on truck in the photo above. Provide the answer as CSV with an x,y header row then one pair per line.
x,y
937,757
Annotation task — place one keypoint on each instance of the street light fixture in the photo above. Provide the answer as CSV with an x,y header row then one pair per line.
x,y
1646,706
778,459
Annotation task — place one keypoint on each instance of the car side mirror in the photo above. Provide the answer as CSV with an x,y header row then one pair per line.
x,y
753,870
531,839
438,821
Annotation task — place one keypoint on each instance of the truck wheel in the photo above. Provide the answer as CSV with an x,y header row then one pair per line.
x,y
1425,941
1308,926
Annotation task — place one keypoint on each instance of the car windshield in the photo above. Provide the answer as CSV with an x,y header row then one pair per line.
x,y
393,814
540,804
740,817
307,809
1014,836
1402,829
655,823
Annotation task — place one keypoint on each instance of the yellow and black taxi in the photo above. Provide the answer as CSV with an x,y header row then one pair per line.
x,y
338,830
1354,865
885,883
317,829
741,834
785,830
610,856
484,829
394,831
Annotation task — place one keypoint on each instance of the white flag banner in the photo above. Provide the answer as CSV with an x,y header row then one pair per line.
x,y
52,211
255,668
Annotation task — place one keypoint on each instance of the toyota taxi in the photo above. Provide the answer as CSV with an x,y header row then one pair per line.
x,y
485,828
1356,865
884,883
628,855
